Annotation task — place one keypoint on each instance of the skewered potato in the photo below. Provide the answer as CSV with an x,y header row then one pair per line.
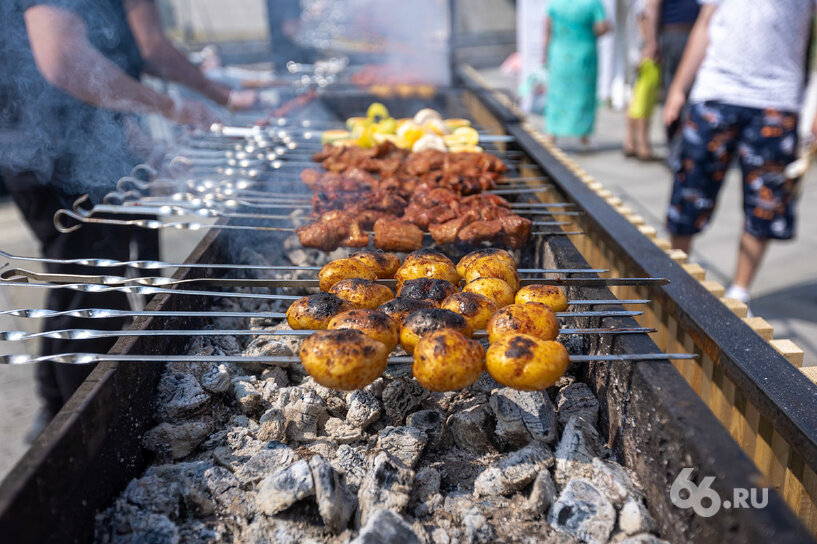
x,y
549,295
383,264
427,288
423,267
376,325
422,322
344,359
315,311
362,293
342,269
476,309
495,253
489,267
495,289
399,308
534,319
425,255
446,360
526,362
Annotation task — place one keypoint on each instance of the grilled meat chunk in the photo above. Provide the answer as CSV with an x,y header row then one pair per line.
x,y
392,234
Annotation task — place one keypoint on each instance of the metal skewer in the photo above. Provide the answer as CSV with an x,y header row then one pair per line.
x,y
101,313
283,360
93,334
19,274
158,265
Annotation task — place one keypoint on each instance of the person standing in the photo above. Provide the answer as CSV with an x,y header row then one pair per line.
x,y
69,94
748,63
645,93
571,57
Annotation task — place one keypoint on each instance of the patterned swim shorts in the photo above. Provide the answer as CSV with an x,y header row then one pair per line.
x,y
765,141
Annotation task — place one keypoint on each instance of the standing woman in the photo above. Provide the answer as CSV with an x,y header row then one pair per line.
x,y
571,30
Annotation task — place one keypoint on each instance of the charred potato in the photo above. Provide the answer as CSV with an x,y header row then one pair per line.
x,y
422,322
427,288
534,319
425,255
342,269
383,264
362,293
446,360
494,253
376,325
489,267
524,362
422,267
476,309
493,288
549,295
344,359
315,311
399,308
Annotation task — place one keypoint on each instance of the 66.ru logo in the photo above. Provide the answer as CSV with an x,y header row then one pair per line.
x,y
706,502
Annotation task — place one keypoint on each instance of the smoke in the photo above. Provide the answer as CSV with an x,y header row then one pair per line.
x,y
70,146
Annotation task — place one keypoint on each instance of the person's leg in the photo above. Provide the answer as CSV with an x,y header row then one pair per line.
x,y
629,146
710,139
642,139
750,255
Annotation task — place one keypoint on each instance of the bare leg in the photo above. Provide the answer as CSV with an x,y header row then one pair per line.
x,y
629,136
642,138
683,243
585,140
750,255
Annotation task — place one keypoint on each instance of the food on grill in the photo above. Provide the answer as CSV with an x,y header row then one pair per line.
x,y
476,309
315,311
550,295
344,359
362,294
445,360
525,362
495,289
383,264
376,325
424,267
332,230
427,288
342,269
493,253
534,319
490,267
392,234
422,322
425,255
400,307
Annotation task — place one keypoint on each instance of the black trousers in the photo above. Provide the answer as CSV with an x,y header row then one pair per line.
x,y
38,203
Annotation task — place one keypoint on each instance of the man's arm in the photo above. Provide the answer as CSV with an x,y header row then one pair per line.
x,y
163,60
68,61
546,38
690,63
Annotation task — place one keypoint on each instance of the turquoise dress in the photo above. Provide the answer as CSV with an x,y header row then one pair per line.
x,y
572,67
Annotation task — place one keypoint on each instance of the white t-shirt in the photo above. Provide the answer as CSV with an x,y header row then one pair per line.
x,y
757,54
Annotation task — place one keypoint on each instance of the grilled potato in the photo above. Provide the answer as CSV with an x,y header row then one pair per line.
x,y
315,311
399,308
342,269
476,309
489,267
525,362
533,318
362,293
383,264
446,360
425,255
422,322
495,289
549,295
376,325
427,288
422,267
494,253
344,359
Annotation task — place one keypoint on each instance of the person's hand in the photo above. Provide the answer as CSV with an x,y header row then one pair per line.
x,y
242,99
649,51
814,129
673,105
192,112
